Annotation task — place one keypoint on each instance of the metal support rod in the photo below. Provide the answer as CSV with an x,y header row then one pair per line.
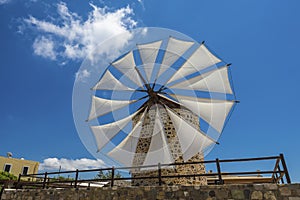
x,y
112,176
45,179
76,179
142,78
159,174
287,176
219,171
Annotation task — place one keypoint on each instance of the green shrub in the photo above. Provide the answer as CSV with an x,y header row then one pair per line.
x,y
107,175
7,176
62,178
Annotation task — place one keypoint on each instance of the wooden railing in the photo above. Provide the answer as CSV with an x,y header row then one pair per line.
x,y
277,175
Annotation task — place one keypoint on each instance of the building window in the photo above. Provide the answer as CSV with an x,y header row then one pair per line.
x,y
7,167
25,170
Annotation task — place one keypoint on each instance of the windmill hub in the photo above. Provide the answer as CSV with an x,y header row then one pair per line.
x,y
153,97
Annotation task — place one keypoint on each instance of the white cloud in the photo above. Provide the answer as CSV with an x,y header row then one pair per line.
x,y
44,47
82,75
69,164
4,1
75,38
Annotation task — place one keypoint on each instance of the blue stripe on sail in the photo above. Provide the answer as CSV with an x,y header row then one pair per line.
x,y
120,94
123,78
120,113
197,73
201,94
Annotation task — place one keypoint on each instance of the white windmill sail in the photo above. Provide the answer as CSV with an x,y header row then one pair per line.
x,y
104,133
126,150
169,99
199,60
213,81
109,82
159,149
148,69
102,106
148,53
127,66
175,49
213,111
191,140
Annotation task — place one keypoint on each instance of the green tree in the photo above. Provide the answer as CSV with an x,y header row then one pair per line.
x,y
7,176
62,178
108,175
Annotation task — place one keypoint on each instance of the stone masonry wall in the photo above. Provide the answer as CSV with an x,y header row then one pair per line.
x,y
175,150
238,192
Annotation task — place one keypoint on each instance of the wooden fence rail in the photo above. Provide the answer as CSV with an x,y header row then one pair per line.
x,y
43,180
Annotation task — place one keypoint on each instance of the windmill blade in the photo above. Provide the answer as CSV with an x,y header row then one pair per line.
x,y
125,151
127,66
175,49
191,140
213,111
109,82
104,133
169,99
199,60
148,69
159,149
148,53
102,106
213,81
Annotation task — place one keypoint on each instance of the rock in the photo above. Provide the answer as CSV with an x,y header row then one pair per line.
x,y
237,194
294,198
271,186
269,196
257,195
285,191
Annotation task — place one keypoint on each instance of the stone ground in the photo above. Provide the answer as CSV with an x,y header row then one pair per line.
x,y
249,191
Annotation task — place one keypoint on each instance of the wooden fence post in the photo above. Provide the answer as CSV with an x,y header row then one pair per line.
x,y
159,174
76,178
19,179
112,176
45,179
220,181
287,176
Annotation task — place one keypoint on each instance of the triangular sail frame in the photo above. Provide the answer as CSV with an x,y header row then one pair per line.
x,y
175,49
102,106
199,60
159,149
109,82
104,133
192,141
125,151
213,111
148,53
127,66
213,81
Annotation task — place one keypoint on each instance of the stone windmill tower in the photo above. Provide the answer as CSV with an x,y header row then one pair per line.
x,y
179,87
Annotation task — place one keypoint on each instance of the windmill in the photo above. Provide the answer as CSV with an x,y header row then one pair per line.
x,y
178,95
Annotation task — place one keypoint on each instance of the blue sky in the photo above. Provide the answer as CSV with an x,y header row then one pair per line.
x,y
38,69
